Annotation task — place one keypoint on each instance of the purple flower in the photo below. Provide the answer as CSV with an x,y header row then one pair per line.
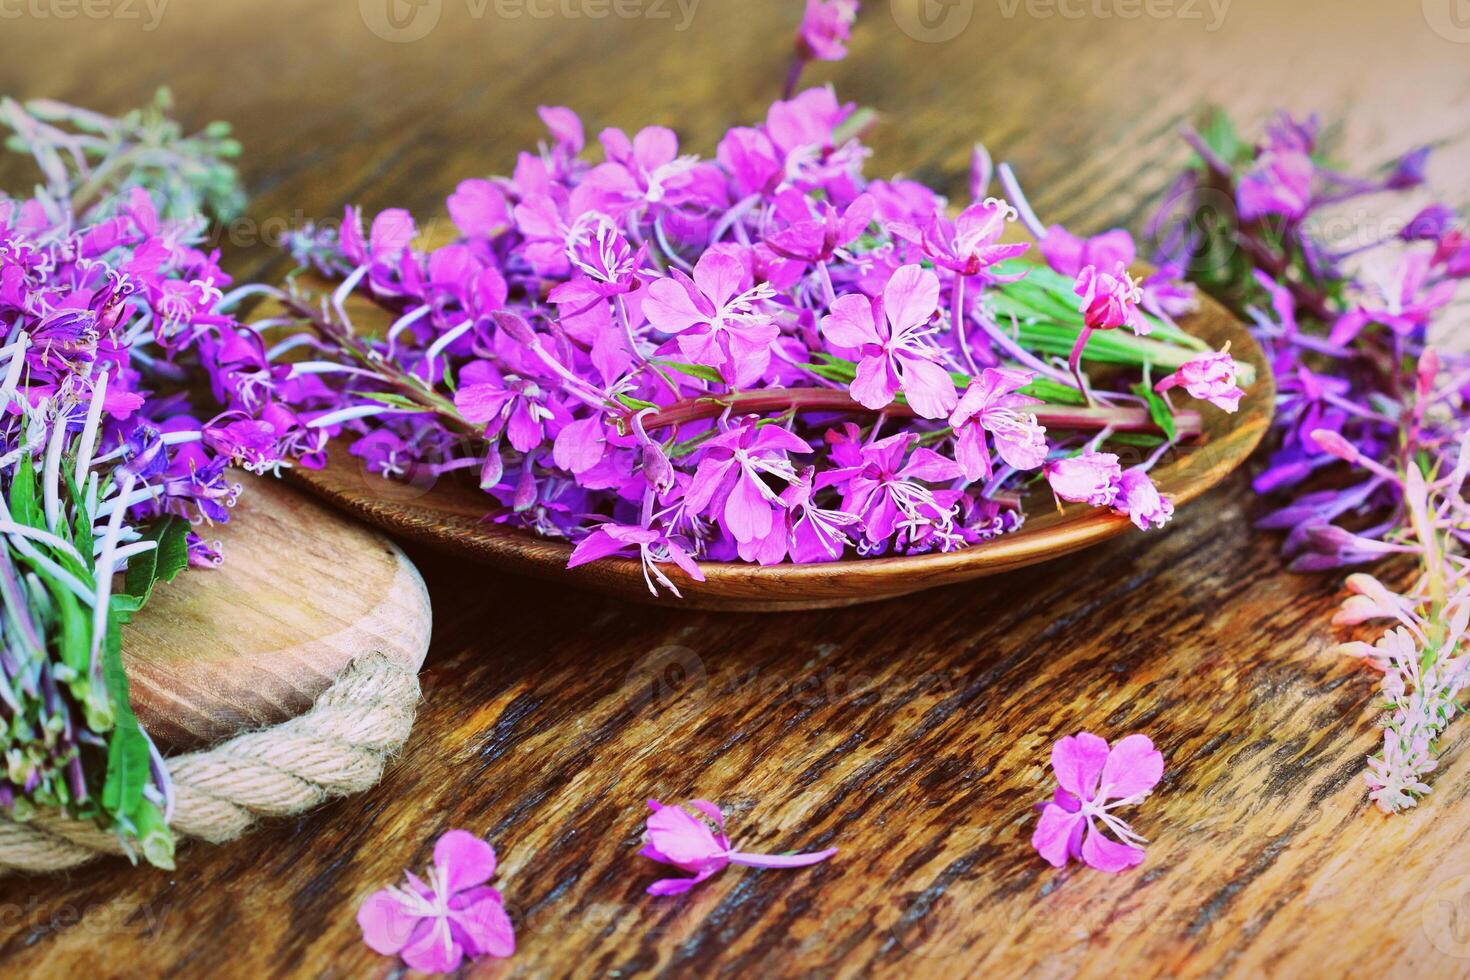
x,y
897,351
435,924
729,484
692,838
1092,781
1279,184
1110,299
885,485
1140,501
654,548
970,244
826,28
716,316
1069,255
1211,378
1090,477
991,405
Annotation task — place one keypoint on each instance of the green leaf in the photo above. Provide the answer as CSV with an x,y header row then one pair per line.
x,y
702,371
636,404
1158,409
163,563
24,506
127,747
1220,136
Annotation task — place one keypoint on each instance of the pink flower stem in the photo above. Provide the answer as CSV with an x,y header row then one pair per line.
x,y
958,318
780,860
1075,362
793,76
1118,418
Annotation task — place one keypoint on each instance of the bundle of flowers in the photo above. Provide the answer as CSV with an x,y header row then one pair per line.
x,y
104,467
762,357
1373,420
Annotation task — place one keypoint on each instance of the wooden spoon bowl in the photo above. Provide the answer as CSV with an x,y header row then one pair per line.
x,y
450,515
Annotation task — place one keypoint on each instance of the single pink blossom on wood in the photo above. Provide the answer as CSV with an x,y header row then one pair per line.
x,y
435,924
692,838
1093,780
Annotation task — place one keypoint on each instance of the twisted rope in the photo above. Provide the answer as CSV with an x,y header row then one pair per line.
x,y
337,748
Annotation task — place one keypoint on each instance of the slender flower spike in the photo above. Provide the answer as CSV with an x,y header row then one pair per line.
x,y
692,838
435,924
1211,378
1092,781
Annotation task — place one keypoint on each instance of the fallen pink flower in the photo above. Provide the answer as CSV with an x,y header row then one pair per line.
x,y
433,925
1091,781
692,838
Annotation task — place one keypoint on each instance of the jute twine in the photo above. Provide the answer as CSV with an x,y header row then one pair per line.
x,y
337,748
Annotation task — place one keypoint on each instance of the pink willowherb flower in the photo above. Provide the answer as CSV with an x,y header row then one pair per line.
x,y
1093,780
826,28
1211,378
435,924
1109,300
717,318
1090,477
1140,501
692,838
898,352
991,405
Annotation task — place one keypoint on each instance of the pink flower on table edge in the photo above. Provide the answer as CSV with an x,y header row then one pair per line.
x,y
1140,501
826,28
434,924
1093,780
991,405
1211,378
714,320
896,352
654,548
1109,300
692,838
1090,477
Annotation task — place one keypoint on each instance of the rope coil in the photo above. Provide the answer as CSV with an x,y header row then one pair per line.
x,y
337,748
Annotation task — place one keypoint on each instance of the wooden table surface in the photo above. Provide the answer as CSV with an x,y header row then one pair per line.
x,y
913,735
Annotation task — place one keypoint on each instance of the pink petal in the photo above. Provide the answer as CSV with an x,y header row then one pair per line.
x,y
670,308
874,385
683,839
579,445
747,511
1108,855
910,297
464,860
1054,831
718,276
386,922
1134,766
1078,761
487,926
673,886
432,952
929,387
850,324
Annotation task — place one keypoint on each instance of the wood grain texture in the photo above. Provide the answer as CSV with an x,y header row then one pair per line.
x,y
303,591
911,734
451,515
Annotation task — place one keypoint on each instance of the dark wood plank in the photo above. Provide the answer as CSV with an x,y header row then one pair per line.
x,y
911,734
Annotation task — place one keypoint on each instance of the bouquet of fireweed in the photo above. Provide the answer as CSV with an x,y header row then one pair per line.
x,y
1373,421
104,468
765,356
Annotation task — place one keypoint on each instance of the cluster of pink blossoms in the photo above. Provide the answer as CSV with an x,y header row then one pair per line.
x,y
762,357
